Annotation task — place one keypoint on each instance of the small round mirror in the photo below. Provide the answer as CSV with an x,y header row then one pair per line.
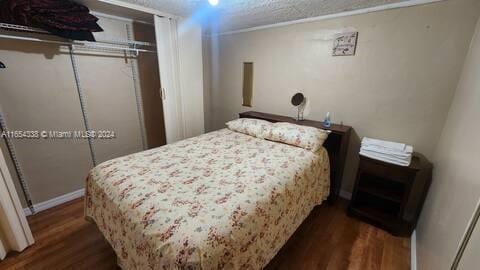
x,y
298,99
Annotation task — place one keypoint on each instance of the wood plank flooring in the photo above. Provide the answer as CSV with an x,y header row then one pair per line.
x,y
328,239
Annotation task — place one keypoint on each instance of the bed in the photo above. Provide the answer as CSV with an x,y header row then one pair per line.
x,y
222,200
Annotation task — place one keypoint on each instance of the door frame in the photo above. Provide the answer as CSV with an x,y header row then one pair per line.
x,y
20,235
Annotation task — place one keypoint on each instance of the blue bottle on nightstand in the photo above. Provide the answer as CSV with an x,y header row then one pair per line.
x,y
326,122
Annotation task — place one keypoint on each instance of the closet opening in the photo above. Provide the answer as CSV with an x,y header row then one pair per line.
x,y
148,74
59,91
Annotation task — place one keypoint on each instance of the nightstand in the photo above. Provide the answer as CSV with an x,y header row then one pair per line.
x,y
391,196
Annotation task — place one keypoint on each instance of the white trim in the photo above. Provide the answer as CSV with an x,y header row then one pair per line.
x,y
413,251
39,207
14,224
403,4
139,8
345,194
27,211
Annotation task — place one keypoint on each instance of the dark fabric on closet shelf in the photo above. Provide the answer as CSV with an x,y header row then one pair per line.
x,y
64,18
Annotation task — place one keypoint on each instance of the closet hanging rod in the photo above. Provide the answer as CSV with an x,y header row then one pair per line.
x,y
78,44
22,28
127,43
28,29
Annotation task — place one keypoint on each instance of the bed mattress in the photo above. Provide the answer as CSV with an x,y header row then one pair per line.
x,y
222,200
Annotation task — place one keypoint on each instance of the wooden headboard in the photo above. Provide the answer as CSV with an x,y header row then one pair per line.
x,y
336,145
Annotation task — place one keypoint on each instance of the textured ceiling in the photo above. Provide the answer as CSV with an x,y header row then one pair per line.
x,y
240,14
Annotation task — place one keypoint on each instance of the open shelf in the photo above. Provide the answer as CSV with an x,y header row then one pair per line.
x,y
376,208
9,31
382,188
378,211
376,216
390,196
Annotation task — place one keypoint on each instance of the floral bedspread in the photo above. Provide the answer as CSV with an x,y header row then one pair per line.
x,y
222,200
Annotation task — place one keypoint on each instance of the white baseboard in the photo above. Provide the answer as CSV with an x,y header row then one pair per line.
x,y
413,251
27,212
39,207
345,194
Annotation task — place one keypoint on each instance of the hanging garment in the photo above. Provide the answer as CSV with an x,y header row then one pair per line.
x,y
64,18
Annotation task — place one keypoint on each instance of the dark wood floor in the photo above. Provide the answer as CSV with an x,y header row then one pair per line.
x,y
328,239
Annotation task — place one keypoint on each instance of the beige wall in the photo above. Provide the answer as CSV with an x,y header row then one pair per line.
x,y
456,187
38,92
207,81
106,80
398,87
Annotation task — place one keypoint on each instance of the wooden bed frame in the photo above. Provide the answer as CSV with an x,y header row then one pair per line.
x,y
336,145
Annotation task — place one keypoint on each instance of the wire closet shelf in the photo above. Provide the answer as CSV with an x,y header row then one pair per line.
x,y
132,46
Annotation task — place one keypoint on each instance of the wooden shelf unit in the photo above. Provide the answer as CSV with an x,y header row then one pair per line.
x,y
391,196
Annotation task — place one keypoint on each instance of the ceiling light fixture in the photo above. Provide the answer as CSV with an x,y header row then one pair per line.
x,y
213,2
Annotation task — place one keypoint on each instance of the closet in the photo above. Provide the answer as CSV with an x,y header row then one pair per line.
x,y
141,80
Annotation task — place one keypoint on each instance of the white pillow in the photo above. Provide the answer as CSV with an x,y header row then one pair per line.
x,y
253,127
306,137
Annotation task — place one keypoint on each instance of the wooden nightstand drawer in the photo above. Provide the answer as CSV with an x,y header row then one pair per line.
x,y
391,196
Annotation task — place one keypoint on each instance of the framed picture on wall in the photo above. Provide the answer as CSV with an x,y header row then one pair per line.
x,y
345,44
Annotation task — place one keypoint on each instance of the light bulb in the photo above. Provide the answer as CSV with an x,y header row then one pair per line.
x,y
213,2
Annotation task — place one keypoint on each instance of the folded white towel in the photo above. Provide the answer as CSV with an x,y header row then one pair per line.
x,y
387,158
400,147
404,158
408,150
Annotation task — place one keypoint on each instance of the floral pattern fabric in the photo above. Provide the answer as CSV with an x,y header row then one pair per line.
x,y
309,138
253,127
222,200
